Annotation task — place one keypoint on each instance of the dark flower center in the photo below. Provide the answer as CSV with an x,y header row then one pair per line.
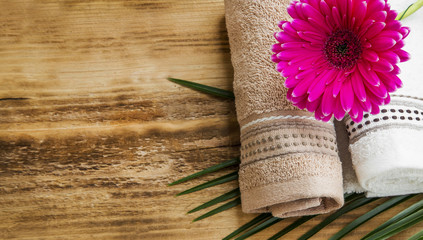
x,y
342,49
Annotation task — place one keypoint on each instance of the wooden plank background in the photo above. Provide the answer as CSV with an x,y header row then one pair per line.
x,y
91,131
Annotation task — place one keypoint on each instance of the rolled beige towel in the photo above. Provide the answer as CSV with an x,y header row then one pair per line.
x,y
289,161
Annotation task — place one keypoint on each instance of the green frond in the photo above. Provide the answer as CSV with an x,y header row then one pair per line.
x,y
222,208
357,202
249,224
291,227
231,162
204,88
224,179
406,212
214,201
259,227
399,226
367,216
417,236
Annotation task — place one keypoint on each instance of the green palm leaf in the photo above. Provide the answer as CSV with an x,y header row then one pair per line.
x,y
291,227
399,226
204,88
367,216
222,208
417,236
231,162
359,201
256,220
214,201
269,222
224,179
413,208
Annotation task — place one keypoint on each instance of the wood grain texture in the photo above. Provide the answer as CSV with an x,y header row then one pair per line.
x,y
91,131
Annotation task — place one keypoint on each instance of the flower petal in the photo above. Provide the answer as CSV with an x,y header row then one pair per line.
x,y
289,94
287,70
291,45
374,29
283,37
390,56
398,45
374,6
382,43
312,106
403,55
359,9
292,11
312,38
322,25
318,113
388,80
358,117
301,104
291,82
397,36
347,96
281,23
375,109
336,17
366,105
380,16
303,86
370,55
324,7
387,100
328,101
382,66
368,75
380,91
404,31
337,84
358,86
327,118
354,111
274,58
338,111
311,12
318,88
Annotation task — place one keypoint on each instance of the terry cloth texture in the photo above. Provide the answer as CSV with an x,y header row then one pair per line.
x,y
386,148
289,161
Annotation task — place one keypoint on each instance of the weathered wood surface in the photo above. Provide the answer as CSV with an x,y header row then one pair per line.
x,y
91,131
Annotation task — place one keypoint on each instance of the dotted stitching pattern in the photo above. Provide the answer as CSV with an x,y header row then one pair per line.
x,y
286,144
400,115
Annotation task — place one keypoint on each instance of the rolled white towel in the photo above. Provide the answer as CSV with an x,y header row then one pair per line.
x,y
389,162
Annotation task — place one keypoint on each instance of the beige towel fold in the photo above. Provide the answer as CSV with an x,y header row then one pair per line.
x,y
289,161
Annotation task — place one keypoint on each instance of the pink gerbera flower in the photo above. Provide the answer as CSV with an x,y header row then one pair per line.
x,y
340,56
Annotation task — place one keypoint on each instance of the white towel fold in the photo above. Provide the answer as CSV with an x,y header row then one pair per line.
x,y
387,148
389,162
